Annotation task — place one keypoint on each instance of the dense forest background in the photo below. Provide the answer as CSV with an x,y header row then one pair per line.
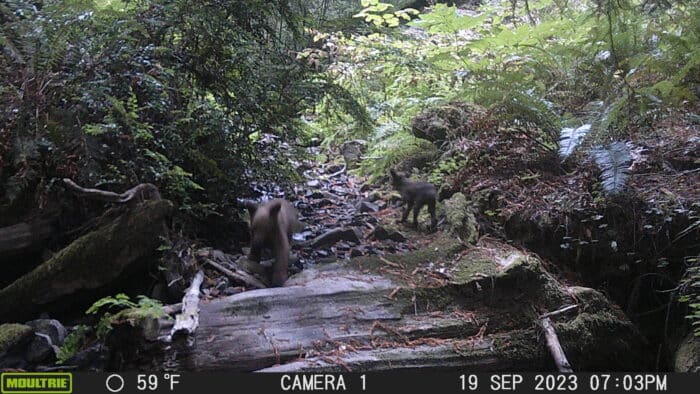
x,y
571,124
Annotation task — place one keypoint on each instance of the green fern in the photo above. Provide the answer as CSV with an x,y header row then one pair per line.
x,y
614,161
570,138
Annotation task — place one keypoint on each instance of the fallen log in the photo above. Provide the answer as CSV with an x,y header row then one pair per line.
x,y
90,262
366,315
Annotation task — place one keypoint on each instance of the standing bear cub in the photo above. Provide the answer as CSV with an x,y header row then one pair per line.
x,y
415,194
271,226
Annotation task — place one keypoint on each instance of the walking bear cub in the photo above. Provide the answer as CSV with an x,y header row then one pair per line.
x,y
271,226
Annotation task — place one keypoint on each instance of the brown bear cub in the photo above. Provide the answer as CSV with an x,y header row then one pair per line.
x,y
271,226
415,194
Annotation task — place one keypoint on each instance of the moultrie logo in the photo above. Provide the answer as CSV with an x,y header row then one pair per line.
x,y
36,382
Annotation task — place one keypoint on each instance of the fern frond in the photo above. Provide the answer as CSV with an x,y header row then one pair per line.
x,y
570,138
614,161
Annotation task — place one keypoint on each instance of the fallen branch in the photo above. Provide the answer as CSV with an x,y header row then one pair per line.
x,y
555,347
187,321
342,170
559,311
240,276
145,191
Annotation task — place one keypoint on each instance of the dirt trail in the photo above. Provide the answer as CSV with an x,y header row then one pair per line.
x,y
344,215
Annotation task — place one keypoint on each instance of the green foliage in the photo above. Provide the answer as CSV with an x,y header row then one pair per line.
x,y
72,344
570,138
145,308
374,12
398,150
447,167
444,19
690,293
528,66
112,94
613,161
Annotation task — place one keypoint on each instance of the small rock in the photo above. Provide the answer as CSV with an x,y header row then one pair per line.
x,y
232,290
374,196
339,190
380,234
315,194
332,169
323,253
313,183
51,327
355,252
222,284
342,246
366,206
324,203
339,234
92,359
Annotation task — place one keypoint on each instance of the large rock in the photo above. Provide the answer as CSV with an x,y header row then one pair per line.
x,y
687,357
460,218
41,350
51,327
456,119
13,336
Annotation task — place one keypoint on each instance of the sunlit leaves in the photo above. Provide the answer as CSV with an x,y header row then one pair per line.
x,y
445,19
374,12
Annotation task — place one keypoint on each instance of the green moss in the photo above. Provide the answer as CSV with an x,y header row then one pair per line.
x,y
460,218
441,249
468,269
12,334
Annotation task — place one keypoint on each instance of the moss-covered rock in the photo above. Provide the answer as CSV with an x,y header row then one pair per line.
x,y
13,335
687,357
456,119
460,218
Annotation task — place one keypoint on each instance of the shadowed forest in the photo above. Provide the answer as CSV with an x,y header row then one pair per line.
x,y
350,185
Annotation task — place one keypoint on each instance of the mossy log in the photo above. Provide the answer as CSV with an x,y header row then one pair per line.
x,y
89,262
441,307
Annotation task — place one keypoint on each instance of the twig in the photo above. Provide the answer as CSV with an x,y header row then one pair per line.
x,y
559,311
243,276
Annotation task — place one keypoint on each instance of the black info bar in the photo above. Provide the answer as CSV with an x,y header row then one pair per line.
x,y
417,381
